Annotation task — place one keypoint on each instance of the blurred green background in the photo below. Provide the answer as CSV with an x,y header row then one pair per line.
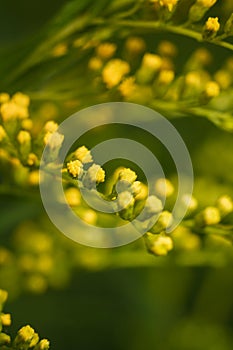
x,y
165,308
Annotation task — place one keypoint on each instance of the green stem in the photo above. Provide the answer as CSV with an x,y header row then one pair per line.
x,y
181,30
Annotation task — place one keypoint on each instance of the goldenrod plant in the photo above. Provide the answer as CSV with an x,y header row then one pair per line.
x,y
173,56
26,338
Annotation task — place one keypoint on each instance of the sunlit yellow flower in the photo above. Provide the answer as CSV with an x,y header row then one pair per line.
x,y
127,87
11,110
23,137
212,89
114,71
83,154
21,99
166,77
75,168
5,319
50,126
152,61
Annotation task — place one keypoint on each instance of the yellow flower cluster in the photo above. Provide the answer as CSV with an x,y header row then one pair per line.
x,y
14,108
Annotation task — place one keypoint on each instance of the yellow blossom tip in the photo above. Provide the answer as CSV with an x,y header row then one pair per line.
x,y
75,168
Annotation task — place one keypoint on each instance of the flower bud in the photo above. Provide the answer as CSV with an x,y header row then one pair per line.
x,y
211,28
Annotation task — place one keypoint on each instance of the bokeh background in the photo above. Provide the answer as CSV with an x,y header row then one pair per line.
x,y
165,306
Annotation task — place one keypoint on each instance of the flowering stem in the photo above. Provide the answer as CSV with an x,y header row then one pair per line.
x,y
181,30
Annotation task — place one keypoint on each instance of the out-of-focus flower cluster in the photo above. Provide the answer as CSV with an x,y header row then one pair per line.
x,y
25,339
138,74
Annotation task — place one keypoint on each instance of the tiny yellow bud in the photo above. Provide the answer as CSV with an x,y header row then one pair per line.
x,y
211,28
106,50
166,77
164,187
25,335
212,89
209,216
21,99
151,61
95,64
50,126
159,244
128,175
114,71
42,345
193,79
89,216
225,204
24,137
75,168
73,196
83,154
32,159
11,110
5,319
127,87
27,124
34,178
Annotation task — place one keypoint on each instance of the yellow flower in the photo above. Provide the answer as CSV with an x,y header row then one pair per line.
x,y
75,168
212,24
212,89
34,178
73,196
83,154
128,175
225,204
24,137
127,87
106,50
50,126
5,319
3,297
95,63
21,99
25,335
166,77
159,244
114,71
151,61
11,110
32,159
42,345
